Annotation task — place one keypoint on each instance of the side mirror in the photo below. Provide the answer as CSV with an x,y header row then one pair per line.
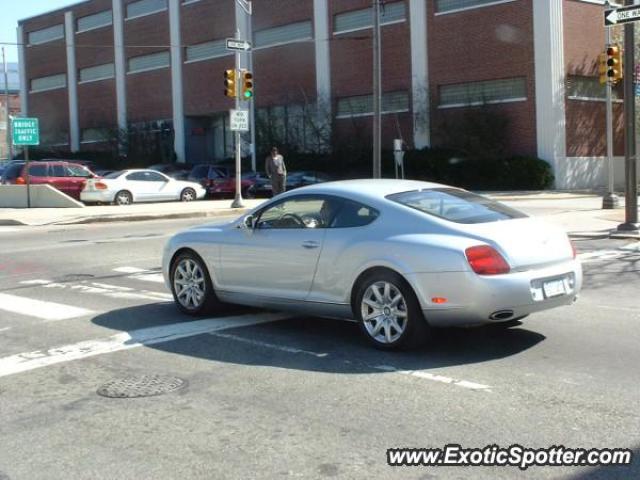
x,y
248,222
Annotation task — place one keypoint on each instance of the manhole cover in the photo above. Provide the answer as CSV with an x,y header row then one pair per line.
x,y
141,386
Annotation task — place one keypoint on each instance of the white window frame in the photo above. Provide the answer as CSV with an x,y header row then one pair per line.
x,y
146,14
149,69
279,44
382,24
189,2
473,7
48,89
78,31
370,114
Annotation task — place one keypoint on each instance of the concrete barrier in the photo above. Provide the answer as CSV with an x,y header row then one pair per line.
x,y
42,196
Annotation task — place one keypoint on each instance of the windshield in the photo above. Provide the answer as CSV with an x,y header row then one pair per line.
x,y
456,205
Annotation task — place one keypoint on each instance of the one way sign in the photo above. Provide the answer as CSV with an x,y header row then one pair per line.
x,y
621,15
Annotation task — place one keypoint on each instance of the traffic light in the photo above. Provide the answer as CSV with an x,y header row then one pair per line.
x,y
247,85
602,68
614,63
230,89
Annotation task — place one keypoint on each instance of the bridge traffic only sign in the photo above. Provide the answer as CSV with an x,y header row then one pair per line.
x,y
26,131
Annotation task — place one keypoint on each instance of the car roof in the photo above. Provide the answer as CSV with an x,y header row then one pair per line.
x,y
375,189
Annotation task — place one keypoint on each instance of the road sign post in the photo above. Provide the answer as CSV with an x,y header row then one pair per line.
x,y
26,132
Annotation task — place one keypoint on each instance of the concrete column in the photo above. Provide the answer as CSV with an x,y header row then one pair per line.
x,y
420,74
72,82
548,42
176,81
22,66
120,64
323,63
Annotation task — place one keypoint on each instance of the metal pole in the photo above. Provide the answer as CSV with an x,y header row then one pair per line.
x,y
252,109
631,200
610,200
237,202
6,96
28,170
377,92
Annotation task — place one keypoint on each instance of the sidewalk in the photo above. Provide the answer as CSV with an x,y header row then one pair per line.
x,y
579,213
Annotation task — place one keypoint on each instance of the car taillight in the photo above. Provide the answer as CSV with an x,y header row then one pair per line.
x,y
485,260
20,181
100,186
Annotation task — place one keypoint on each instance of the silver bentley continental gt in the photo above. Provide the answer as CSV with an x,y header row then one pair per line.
x,y
398,256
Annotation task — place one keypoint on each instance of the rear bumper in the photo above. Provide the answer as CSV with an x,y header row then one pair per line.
x,y
472,299
96,196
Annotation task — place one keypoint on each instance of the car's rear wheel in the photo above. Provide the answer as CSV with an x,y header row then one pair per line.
x,y
123,198
191,285
389,312
188,195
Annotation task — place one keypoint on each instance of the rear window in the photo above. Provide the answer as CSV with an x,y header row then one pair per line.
x,y
200,171
456,205
114,174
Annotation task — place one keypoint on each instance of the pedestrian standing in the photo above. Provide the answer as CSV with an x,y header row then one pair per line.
x,y
276,171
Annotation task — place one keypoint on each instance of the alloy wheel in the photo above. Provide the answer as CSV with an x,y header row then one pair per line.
x,y
189,284
384,312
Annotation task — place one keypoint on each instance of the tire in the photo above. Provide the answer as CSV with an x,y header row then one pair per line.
x,y
400,324
189,270
123,197
188,195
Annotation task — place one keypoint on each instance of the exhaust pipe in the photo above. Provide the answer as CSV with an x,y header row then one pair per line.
x,y
501,315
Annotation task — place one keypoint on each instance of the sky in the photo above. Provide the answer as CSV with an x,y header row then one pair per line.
x,y
13,10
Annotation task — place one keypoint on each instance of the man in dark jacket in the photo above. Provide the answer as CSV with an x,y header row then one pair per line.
x,y
276,171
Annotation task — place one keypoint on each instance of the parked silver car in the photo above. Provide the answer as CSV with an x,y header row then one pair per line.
x,y
399,256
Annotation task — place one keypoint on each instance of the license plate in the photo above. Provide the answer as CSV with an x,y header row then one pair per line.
x,y
554,288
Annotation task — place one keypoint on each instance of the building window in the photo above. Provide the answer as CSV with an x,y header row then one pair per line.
x,y
46,35
447,6
153,61
299,125
360,19
91,22
145,7
51,82
588,88
204,51
479,93
293,32
187,2
99,72
54,139
362,105
95,135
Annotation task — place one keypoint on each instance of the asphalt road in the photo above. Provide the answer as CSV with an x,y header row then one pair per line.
x,y
271,396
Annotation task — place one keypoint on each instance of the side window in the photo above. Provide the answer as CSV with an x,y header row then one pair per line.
x,y
41,170
305,212
354,214
58,170
136,176
154,177
77,171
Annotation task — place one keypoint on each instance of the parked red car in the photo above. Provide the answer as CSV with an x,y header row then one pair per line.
x,y
67,177
219,181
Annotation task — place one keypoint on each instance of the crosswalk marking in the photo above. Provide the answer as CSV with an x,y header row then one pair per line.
x,y
23,362
141,274
40,309
104,289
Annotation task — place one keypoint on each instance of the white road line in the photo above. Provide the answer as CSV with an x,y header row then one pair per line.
x,y
105,289
23,362
37,308
130,270
258,343
435,378
5,329
8,229
141,274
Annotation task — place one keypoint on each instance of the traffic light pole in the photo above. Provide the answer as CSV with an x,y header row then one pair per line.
x,y
631,199
377,92
610,200
237,202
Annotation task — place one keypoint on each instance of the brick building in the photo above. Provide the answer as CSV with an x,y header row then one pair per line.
x,y
13,89
103,65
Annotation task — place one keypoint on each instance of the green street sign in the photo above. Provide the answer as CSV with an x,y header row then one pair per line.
x,y
26,131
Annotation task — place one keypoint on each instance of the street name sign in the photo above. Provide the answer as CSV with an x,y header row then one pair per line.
x,y
622,15
238,45
239,120
26,131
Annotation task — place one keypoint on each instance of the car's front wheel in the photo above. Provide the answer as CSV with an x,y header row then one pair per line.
x,y
191,285
389,312
188,195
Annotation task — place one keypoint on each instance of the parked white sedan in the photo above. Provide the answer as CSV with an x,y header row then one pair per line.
x,y
398,256
128,186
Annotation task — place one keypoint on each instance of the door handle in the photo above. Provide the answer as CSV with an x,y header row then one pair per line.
x,y
309,244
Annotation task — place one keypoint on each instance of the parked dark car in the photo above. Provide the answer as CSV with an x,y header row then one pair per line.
x,y
261,187
304,178
179,172
67,177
